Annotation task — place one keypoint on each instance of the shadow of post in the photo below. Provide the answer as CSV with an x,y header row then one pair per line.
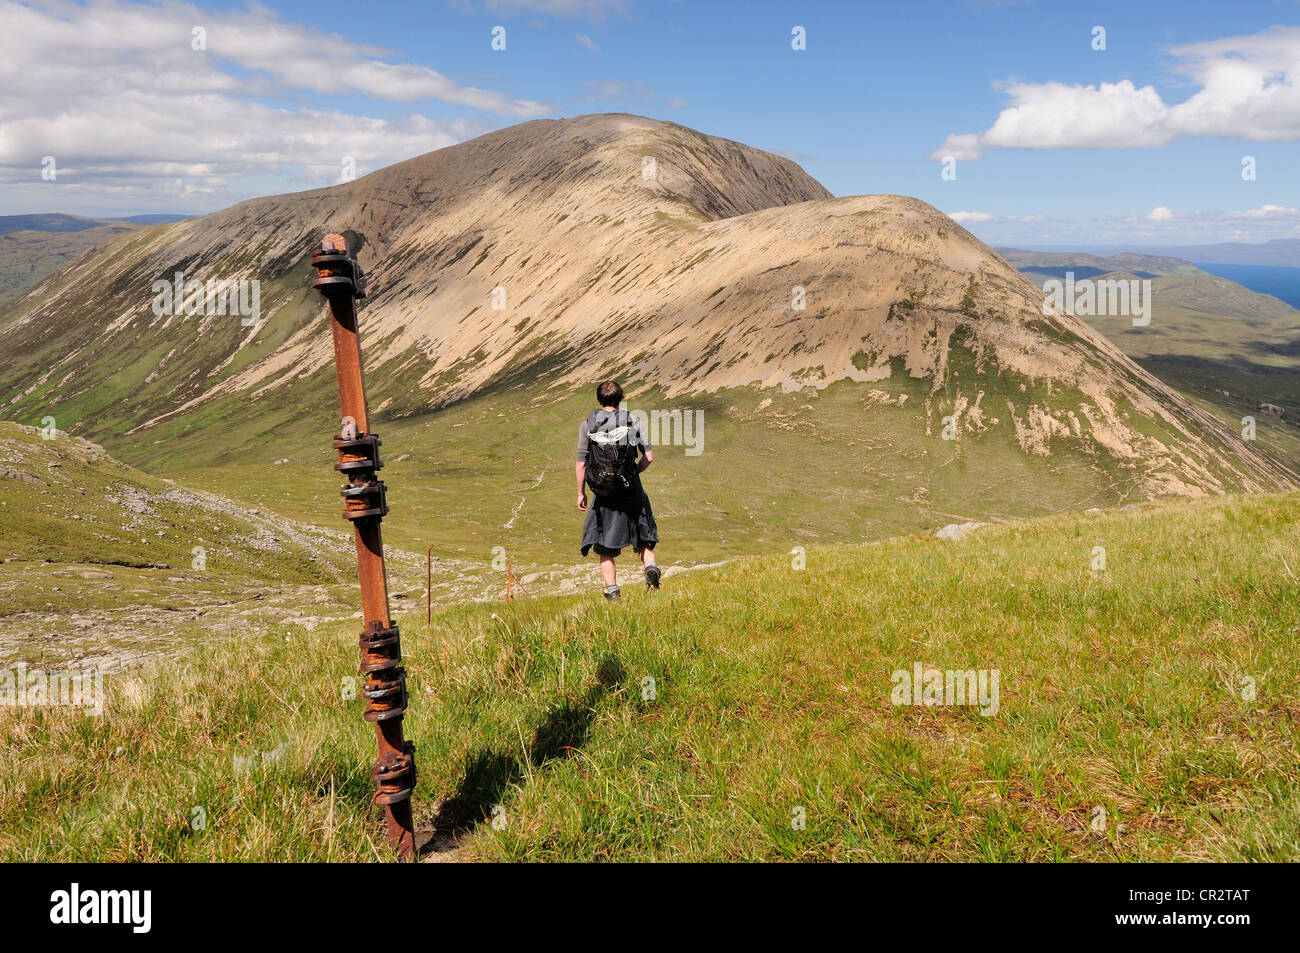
x,y
488,773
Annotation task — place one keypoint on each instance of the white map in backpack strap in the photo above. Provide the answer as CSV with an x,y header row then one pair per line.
x,y
617,435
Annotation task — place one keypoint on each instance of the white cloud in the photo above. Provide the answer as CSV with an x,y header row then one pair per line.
x,y
1249,89
973,217
586,42
1094,117
1272,212
960,148
116,93
1267,221
1187,226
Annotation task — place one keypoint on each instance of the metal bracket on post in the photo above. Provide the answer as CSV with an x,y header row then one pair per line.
x,y
337,269
365,503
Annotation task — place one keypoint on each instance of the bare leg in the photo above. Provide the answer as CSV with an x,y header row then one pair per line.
x,y
608,571
647,556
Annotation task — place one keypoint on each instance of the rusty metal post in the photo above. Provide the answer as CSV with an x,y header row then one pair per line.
x,y
341,281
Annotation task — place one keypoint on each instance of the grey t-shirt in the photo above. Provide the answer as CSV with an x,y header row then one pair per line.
x,y
607,420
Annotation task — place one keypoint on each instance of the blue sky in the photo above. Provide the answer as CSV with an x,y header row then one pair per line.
x,y
137,120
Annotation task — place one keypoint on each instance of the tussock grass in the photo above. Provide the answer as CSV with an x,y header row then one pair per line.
x,y
1120,689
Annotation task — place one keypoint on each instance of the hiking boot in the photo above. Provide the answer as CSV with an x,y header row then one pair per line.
x,y
652,576
612,593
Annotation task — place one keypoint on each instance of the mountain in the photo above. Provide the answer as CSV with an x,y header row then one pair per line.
x,y
1230,349
624,246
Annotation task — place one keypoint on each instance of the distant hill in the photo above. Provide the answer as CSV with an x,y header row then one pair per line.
x,y
32,247
1280,251
1218,342
48,222
1055,264
28,257
160,218
58,222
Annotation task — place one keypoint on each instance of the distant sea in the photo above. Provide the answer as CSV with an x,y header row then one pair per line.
x,y
1280,282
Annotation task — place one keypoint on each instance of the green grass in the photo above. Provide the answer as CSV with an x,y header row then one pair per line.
x,y
98,559
823,466
90,508
1120,689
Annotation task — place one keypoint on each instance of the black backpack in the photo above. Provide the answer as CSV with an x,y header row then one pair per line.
x,y
611,457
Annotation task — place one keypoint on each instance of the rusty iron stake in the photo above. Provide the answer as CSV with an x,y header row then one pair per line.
x,y
341,281
513,583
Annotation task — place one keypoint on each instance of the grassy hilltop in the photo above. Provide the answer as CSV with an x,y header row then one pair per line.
x,y
1122,689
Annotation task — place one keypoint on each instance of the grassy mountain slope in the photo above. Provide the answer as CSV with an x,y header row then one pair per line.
x,y
1231,350
1123,689
98,563
848,462
99,559
682,284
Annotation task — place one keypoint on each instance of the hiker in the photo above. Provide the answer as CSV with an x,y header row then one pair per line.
x,y
620,513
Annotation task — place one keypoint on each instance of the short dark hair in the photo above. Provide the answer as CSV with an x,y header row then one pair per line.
x,y
609,393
